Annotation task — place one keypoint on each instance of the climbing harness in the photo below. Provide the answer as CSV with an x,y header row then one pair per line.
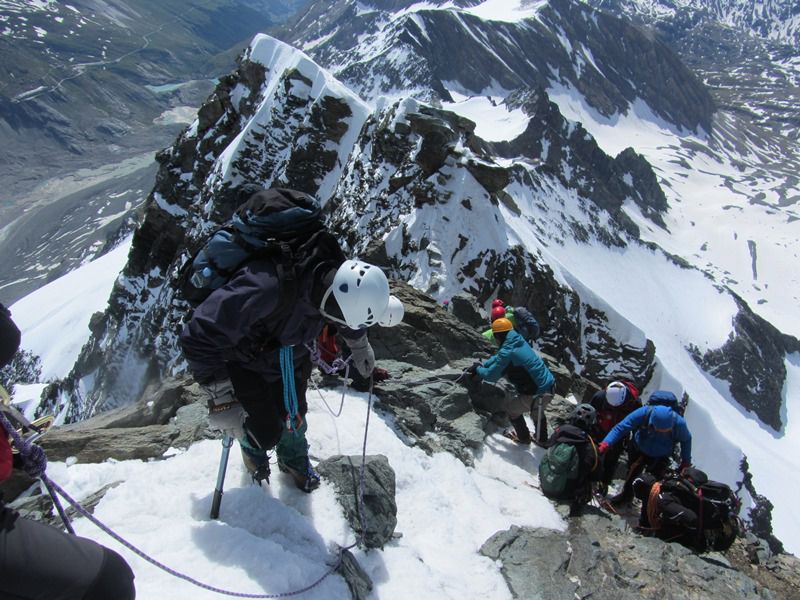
x,y
35,461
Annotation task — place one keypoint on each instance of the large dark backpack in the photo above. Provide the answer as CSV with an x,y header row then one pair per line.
x,y
278,223
559,471
525,323
715,503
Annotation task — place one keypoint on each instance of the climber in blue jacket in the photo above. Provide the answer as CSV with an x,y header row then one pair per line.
x,y
531,378
656,431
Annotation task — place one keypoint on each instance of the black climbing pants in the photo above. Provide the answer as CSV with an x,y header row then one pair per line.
x,y
40,562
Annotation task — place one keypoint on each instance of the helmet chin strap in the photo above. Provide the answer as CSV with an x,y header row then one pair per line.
x,y
326,314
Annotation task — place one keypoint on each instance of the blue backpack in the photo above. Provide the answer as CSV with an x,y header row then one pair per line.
x,y
277,223
665,398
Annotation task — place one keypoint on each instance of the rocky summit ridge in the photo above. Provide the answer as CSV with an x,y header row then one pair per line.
x,y
597,554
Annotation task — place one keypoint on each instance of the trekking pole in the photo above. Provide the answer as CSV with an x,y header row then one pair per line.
x,y
227,442
539,432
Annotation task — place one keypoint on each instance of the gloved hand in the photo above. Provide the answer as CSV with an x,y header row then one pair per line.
x,y
379,374
603,447
34,462
225,412
473,370
363,356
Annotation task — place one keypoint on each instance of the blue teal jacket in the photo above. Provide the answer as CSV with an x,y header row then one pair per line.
x,y
653,443
515,351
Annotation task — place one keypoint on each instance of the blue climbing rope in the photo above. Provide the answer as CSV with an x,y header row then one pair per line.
x,y
289,390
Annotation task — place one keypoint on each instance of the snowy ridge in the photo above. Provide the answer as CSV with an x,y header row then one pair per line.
x,y
314,86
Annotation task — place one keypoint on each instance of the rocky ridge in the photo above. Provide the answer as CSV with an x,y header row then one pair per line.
x,y
597,554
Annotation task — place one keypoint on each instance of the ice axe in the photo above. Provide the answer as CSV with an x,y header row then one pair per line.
x,y
227,442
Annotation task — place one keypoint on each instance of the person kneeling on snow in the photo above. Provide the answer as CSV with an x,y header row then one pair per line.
x,y
532,380
656,430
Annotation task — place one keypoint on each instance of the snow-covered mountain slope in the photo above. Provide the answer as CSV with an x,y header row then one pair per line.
x,y
778,20
411,186
723,174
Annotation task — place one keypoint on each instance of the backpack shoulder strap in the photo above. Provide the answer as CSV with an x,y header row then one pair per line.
x,y
596,453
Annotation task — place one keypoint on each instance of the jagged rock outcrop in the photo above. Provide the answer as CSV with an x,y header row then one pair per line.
x,y
173,414
554,141
609,62
597,557
281,120
372,514
752,362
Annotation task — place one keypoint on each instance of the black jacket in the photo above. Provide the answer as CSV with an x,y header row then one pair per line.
x,y
246,322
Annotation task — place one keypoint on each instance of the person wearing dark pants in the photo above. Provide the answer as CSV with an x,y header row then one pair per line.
x,y
42,562
249,349
525,370
38,561
656,430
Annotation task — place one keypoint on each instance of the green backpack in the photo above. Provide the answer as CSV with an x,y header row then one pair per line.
x,y
558,471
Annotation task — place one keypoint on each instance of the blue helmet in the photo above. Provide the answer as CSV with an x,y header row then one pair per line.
x,y
662,418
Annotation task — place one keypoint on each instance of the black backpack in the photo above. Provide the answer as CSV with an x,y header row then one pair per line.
x,y
715,503
525,323
283,224
9,337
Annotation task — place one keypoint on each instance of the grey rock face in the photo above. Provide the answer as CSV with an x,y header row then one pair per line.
x,y
597,558
373,514
443,46
752,361
172,414
357,579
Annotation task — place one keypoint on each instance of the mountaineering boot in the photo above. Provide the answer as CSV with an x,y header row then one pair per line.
x,y
256,461
623,497
521,433
292,451
305,478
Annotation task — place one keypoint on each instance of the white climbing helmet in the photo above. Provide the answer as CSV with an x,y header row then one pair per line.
x,y
362,293
615,393
394,313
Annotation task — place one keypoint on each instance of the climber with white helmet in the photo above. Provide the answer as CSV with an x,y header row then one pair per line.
x,y
619,399
249,348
